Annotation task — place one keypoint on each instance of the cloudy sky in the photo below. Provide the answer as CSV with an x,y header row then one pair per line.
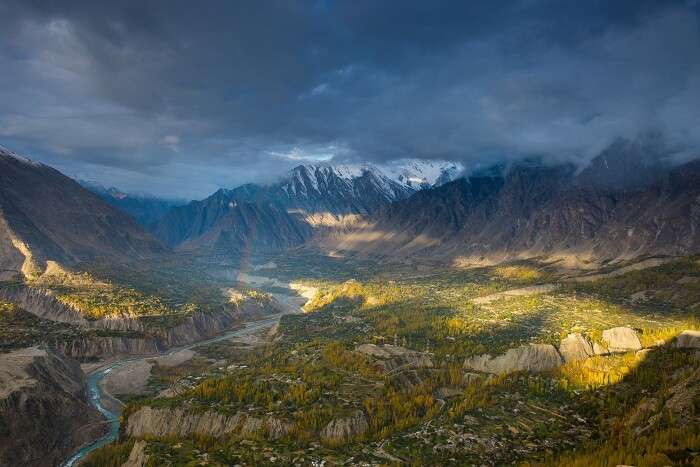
x,y
179,98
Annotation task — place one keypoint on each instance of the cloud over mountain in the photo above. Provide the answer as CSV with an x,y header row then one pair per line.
x,y
167,92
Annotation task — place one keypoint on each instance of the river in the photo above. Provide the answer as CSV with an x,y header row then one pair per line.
x,y
97,396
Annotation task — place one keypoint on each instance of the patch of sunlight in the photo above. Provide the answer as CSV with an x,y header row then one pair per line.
x,y
371,295
601,370
519,273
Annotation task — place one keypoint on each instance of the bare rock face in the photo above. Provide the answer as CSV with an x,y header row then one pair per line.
x,y
621,339
45,414
575,347
373,350
344,430
179,423
138,456
688,340
531,357
394,358
598,349
91,348
195,327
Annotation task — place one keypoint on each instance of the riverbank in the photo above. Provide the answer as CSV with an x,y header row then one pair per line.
x,y
105,403
132,373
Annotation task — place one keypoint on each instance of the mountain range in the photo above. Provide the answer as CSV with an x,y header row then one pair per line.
x,y
629,201
286,213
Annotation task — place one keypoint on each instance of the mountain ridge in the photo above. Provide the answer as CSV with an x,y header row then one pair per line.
x,y
47,216
314,196
538,210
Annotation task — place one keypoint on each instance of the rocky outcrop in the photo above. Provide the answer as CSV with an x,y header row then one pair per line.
x,y
683,401
599,349
45,414
96,348
141,339
150,422
393,358
676,403
42,304
621,339
688,339
346,429
138,456
531,357
405,380
575,347
373,350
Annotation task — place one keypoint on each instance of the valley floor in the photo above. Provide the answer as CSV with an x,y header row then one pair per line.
x,y
523,363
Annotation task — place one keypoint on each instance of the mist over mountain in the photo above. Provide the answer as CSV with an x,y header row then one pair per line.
x,y
630,201
162,97
145,209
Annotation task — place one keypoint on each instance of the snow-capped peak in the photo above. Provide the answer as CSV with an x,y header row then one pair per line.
x,y
419,173
412,173
393,180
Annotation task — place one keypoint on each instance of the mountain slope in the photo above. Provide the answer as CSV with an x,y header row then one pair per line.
x,y
537,210
45,215
310,195
44,407
251,227
146,210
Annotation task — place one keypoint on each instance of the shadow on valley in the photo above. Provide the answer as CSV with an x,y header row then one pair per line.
x,y
644,408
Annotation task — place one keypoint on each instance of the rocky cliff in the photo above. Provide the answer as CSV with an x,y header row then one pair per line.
x,y
531,357
179,423
141,338
45,414
162,422
575,346
345,429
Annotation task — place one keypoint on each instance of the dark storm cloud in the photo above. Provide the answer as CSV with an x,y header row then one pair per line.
x,y
180,98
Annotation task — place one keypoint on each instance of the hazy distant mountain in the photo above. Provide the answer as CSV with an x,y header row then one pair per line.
x,y
146,209
612,209
309,196
626,165
45,215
